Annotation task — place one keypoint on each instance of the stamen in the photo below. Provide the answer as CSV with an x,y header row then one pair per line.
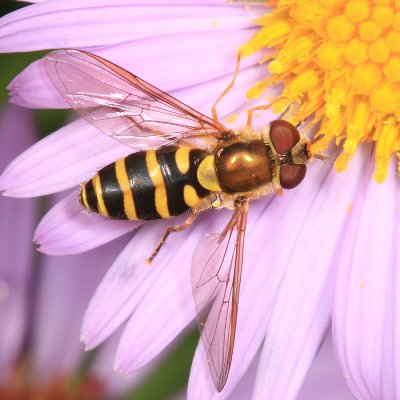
x,y
385,142
339,63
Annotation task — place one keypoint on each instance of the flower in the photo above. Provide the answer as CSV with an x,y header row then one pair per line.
x,y
41,308
322,255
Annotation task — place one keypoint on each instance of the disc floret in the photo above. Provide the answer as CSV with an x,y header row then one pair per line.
x,y
339,63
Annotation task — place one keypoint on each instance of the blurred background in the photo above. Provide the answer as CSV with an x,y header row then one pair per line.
x,y
34,337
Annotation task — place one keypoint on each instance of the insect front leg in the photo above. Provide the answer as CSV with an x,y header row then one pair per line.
x,y
169,230
250,112
226,91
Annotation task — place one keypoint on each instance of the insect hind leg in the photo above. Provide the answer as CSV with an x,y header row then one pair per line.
x,y
226,91
169,230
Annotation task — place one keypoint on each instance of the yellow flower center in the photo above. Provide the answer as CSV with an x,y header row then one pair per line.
x,y
339,63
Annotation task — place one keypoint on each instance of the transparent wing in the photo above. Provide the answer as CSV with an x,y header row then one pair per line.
x,y
216,275
122,105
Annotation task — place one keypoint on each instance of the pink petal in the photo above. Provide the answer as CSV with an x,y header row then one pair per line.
x,y
15,119
325,379
16,248
302,310
69,229
62,160
245,387
17,217
55,24
65,288
130,283
33,88
116,384
167,306
124,285
169,67
366,309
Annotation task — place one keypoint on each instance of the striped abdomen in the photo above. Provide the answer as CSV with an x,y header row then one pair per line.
x,y
147,185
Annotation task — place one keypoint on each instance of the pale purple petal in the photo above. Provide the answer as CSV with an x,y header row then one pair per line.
x,y
158,319
245,386
170,67
116,384
167,306
57,24
33,88
17,217
325,379
77,151
304,301
366,319
69,229
65,288
16,249
126,283
62,160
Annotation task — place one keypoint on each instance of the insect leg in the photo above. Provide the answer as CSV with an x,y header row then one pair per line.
x,y
169,230
227,89
250,112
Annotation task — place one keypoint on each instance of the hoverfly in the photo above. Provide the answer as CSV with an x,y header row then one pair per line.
x,y
184,162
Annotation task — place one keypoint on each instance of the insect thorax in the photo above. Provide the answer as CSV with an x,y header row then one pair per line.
x,y
243,165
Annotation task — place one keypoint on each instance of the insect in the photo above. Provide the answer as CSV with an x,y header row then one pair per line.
x,y
184,162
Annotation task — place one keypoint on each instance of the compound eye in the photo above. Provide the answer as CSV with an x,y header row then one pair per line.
x,y
284,136
292,174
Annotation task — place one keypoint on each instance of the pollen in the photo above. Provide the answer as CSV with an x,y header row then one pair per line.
x,y
336,64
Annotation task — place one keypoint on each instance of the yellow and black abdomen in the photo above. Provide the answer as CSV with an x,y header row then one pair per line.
x,y
147,185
